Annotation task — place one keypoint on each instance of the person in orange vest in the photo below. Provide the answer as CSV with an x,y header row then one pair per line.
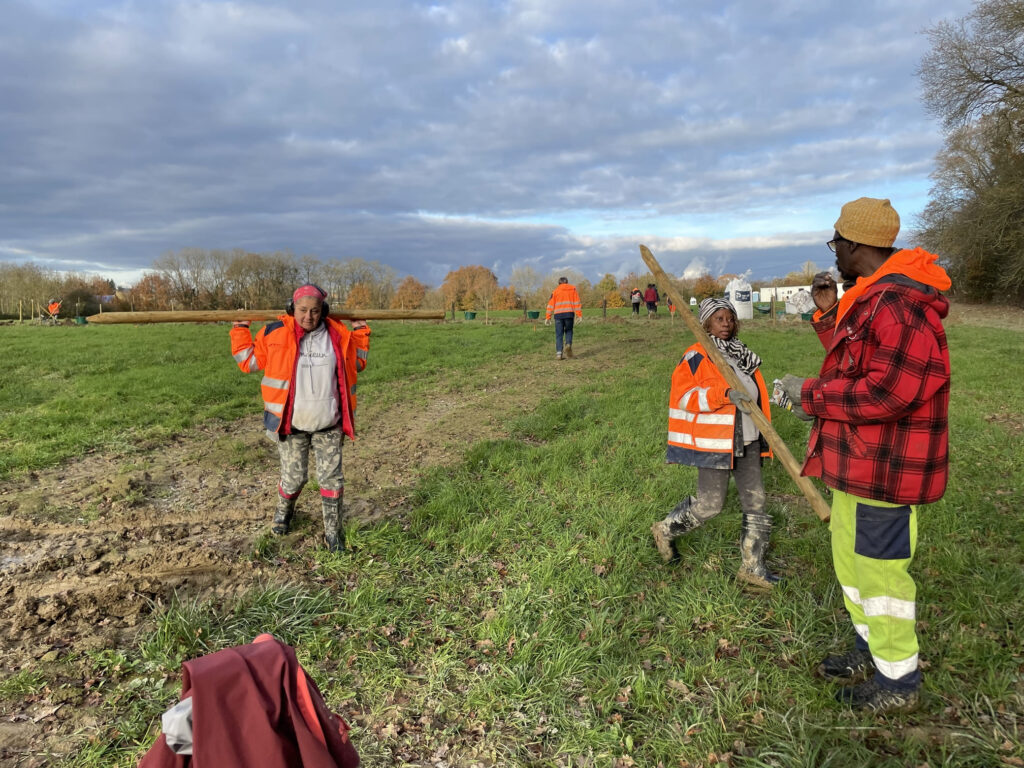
x,y
310,362
565,306
635,298
53,308
709,427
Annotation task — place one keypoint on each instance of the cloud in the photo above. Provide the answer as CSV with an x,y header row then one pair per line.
x,y
558,131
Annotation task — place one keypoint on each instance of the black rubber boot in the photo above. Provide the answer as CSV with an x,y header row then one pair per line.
x,y
757,531
283,516
334,530
678,522
869,696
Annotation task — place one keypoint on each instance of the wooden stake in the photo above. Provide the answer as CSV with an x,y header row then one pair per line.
x,y
238,315
818,504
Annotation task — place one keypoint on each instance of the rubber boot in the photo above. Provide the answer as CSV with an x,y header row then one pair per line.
x,y
678,522
334,530
757,530
283,516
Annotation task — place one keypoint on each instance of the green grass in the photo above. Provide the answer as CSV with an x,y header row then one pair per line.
x,y
520,615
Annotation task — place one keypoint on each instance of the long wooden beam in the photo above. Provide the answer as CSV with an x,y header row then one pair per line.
x,y
818,504
237,315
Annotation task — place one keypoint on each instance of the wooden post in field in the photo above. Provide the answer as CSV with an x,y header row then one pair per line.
x,y
821,509
20,316
604,309
238,315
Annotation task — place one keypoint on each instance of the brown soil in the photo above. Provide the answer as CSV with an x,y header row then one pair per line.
x,y
90,549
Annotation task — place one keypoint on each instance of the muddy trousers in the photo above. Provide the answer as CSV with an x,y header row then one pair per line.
x,y
873,543
712,485
294,453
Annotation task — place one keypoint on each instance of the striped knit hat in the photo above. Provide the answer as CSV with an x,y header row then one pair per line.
x,y
870,221
708,307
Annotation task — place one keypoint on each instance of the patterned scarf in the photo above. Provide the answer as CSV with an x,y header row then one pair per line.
x,y
746,360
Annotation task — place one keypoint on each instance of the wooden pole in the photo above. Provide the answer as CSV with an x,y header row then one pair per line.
x,y
237,315
818,504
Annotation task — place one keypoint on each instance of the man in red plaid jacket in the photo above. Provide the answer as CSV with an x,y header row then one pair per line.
x,y
880,439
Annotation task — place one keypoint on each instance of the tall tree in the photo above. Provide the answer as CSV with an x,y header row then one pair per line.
x,y
973,80
410,294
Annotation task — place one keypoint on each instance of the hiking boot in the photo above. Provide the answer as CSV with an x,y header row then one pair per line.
x,y
869,696
568,350
283,516
851,667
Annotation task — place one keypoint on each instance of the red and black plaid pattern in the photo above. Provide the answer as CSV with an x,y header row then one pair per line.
x,y
882,397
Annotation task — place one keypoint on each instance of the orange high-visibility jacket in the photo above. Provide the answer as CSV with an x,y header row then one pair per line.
x,y
565,299
702,425
275,352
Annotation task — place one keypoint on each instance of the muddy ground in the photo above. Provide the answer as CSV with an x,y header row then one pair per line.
x,y
89,549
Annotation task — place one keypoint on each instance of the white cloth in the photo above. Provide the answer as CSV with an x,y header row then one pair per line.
x,y
316,383
176,724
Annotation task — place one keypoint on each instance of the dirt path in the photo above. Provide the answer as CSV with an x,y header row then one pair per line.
x,y
91,547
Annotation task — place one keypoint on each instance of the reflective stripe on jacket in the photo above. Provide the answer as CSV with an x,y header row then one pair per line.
x,y
702,427
564,300
275,352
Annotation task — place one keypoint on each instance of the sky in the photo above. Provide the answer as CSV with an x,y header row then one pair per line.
x,y
554,134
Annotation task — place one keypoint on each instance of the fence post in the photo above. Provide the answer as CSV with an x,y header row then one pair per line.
x,y
604,309
453,310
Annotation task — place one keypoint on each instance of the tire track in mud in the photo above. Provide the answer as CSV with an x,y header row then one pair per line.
x,y
88,549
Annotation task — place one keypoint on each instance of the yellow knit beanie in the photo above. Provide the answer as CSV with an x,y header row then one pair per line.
x,y
870,221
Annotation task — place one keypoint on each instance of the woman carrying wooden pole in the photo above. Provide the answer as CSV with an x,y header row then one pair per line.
x,y
778,446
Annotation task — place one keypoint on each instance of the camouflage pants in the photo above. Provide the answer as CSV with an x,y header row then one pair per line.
x,y
294,452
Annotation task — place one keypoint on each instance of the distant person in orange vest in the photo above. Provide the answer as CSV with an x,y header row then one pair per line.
x,y
53,308
652,298
635,298
565,305
709,427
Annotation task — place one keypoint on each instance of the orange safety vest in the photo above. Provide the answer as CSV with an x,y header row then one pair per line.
x,y
564,299
702,423
275,352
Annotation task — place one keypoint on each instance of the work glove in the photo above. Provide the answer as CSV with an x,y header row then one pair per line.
x,y
824,291
740,399
578,320
240,324
791,387
547,321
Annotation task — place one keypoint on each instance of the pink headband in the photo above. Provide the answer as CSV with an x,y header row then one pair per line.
x,y
308,290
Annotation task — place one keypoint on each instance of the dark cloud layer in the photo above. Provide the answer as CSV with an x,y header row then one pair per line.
x,y
424,136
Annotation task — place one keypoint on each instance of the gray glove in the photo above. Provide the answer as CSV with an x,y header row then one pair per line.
x,y
547,321
578,320
740,399
792,386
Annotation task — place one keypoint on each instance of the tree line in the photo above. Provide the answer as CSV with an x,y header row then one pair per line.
x,y
973,81
199,279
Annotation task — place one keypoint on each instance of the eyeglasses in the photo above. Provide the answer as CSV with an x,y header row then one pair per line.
x,y
834,242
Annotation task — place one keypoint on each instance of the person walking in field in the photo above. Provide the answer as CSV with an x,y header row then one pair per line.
x,y
310,363
879,441
652,298
709,427
635,298
565,306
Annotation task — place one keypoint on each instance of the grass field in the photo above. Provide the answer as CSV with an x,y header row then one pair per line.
x,y
516,613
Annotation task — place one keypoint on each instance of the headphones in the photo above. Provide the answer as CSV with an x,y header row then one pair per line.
x,y
326,310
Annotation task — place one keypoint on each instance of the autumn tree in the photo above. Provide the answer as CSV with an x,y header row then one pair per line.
x,y
410,294
973,80
526,282
706,286
360,296
467,285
